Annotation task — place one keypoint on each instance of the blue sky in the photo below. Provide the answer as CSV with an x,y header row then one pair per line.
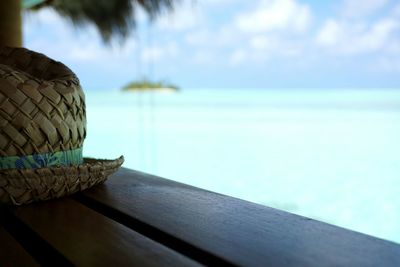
x,y
237,44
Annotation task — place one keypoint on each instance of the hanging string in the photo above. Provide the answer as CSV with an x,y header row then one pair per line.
x,y
141,150
146,110
152,105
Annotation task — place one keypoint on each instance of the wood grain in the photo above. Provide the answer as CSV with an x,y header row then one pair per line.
x,y
87,238
237,231
12,253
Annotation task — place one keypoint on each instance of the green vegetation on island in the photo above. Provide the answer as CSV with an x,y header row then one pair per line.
x,y
146,85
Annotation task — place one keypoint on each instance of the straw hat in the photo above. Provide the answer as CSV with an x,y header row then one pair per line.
x,y
42,129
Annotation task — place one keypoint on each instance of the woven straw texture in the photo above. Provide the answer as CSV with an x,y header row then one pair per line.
x,y
42,106
42,110
26,186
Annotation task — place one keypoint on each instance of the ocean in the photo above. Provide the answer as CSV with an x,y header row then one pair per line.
x,y
332,155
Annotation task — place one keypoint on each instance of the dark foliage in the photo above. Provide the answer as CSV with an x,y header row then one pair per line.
x,y
112,18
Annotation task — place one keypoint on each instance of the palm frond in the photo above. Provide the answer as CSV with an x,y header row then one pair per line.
x,y
112,18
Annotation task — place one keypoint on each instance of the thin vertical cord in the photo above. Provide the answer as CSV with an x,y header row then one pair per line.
x,y
139,110
152,105
146,111
153,132
141,131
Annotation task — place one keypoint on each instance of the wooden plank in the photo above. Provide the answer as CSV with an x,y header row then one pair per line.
x,y
38,248
12,253
87,238
237,231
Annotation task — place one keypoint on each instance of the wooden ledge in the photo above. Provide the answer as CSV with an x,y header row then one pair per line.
x,y
151,221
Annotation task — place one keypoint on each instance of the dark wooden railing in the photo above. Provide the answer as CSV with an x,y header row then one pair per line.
x,y
143,220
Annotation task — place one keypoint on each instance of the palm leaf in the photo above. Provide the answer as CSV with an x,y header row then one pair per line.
x,y
112,18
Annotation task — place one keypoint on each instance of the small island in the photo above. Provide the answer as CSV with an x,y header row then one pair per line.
x,y
147,85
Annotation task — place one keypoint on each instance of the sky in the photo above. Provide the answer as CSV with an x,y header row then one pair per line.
x,y
236,44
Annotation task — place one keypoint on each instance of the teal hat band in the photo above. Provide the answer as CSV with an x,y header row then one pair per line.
x,y
45,160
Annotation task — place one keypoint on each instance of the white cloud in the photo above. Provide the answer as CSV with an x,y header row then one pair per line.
x,y
261,49
43,16
396,11
203,57
256,35
273,45
330,33
262,42
239,56
83,51
355,34
48,33
157,53
270,31
217,2
87,53
222,37
275,15
45,21
362,8
185,16
352,38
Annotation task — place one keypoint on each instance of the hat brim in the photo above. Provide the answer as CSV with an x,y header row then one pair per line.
x,y
22,186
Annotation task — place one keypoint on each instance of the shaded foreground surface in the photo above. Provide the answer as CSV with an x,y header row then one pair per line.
x,y
136,218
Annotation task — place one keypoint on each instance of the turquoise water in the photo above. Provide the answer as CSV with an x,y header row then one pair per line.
x,y
331,155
